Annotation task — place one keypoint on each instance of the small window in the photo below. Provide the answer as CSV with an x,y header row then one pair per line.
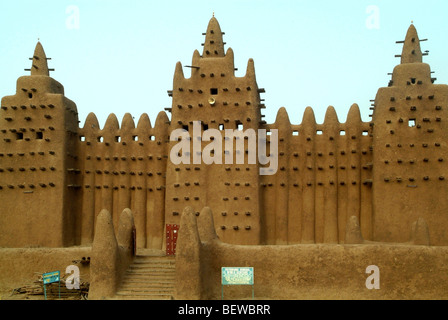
x,y
39,135
134,138
413,80
342,133
82,138
152,138
213,91
295,133
19,135
269,133
185,128
221,126
239,126
365,133
100,139
411,123
319,132
205,127
117,139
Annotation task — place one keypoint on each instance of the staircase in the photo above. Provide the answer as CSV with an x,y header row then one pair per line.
x,y
149,278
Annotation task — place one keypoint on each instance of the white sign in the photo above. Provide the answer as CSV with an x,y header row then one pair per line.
x,y
237,276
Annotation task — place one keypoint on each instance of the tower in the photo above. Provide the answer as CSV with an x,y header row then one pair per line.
x,y
410,174
37,159
220,101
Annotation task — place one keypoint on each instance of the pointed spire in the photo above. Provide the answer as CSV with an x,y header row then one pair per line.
x,y
250,71
309,118
125,232
144,122
40,65
412,53
196,57
214,45
282,118
91,122
162,120
127,122
206,225
178,73
331,116
110,128
111,124
354,114
331,129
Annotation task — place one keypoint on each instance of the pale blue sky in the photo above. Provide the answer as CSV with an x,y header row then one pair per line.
x,y
121,56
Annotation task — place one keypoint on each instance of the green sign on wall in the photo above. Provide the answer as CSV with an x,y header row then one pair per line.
x,y
237,276
51,277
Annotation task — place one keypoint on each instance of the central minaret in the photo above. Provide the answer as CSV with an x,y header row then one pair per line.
x,y
218,99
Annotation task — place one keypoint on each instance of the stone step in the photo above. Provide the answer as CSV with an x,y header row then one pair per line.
x,y
155,274
149,281
149,278
145,297
150,275
149,270
164,261
152,267
158,273
137,286
155,257
145,290
167,282
149,258
136,283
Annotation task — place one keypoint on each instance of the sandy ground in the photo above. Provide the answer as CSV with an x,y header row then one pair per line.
x,y
8,293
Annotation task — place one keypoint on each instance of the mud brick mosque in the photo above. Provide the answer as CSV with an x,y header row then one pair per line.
x,y
376,184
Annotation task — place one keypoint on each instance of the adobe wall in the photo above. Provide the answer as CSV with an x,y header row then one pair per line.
x,y
20,267
57,176
124,167
323,177
326,271
112,253
314,271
